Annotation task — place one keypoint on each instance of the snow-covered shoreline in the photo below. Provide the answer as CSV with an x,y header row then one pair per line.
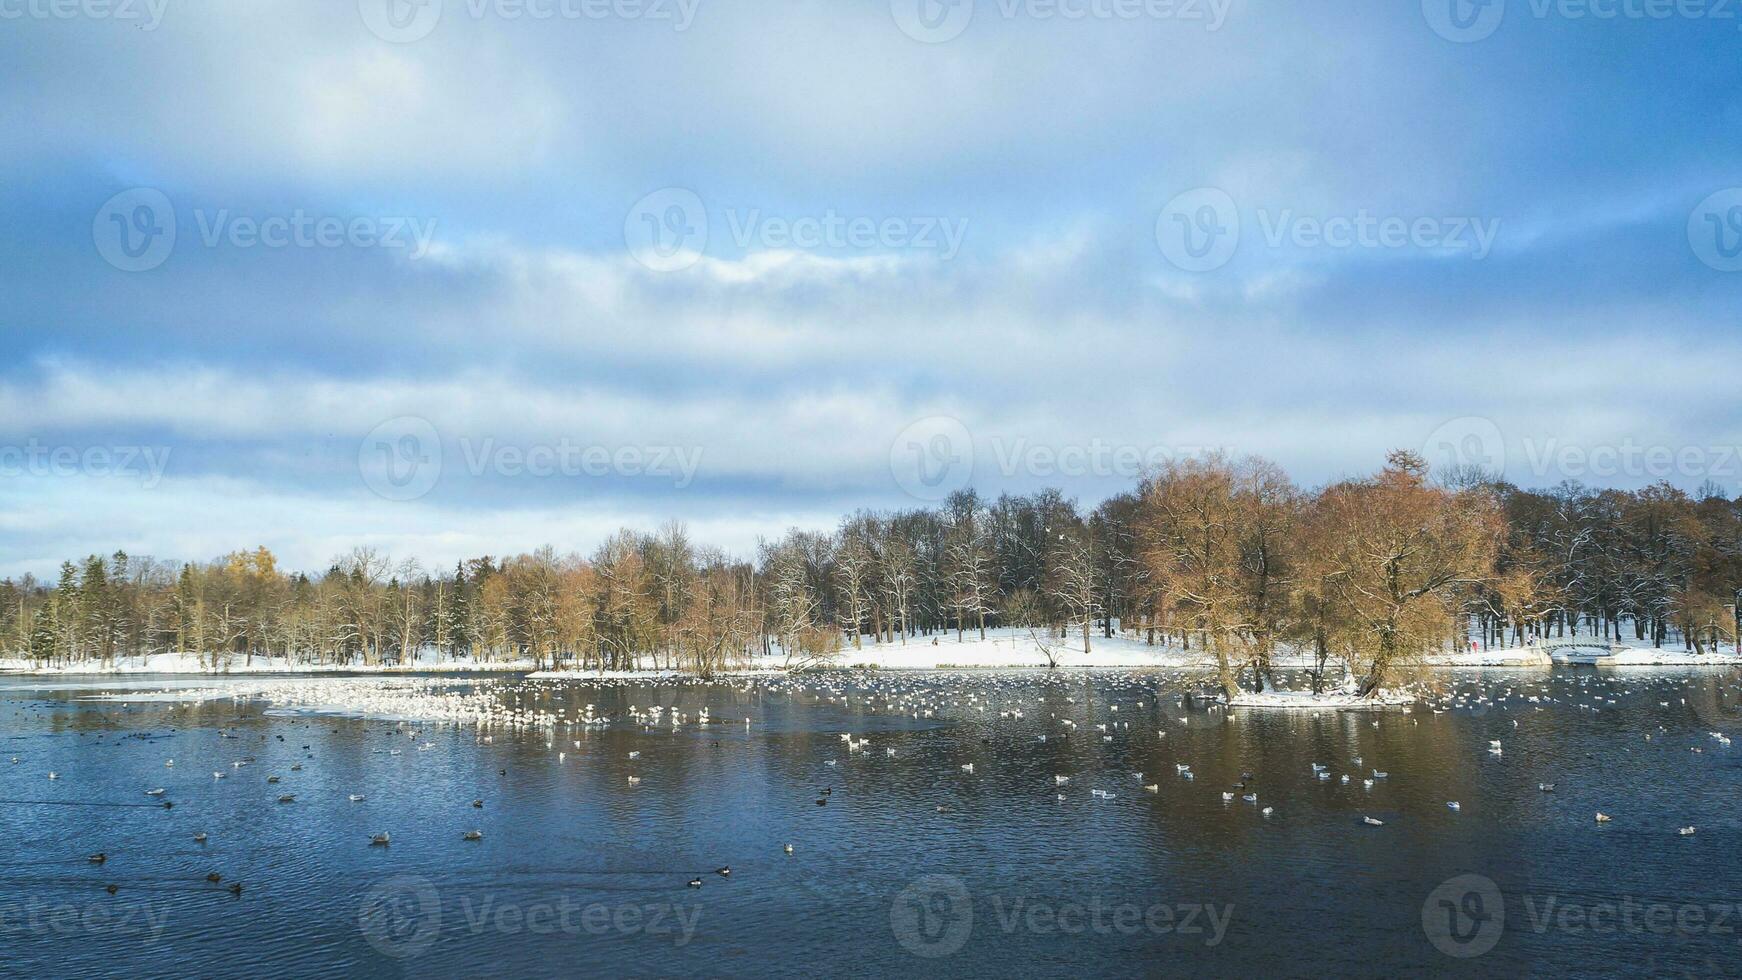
x,y
188,664
1005,649
1328,701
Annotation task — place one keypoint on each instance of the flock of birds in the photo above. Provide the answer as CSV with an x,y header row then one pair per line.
x,y
1067,717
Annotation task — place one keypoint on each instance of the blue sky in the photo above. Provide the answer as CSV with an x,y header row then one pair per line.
x,y
1501,239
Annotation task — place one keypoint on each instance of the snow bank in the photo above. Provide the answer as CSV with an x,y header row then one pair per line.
x,y
189,663
1333,701
1004,649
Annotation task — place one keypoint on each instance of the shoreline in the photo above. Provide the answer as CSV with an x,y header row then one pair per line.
x,y
997,652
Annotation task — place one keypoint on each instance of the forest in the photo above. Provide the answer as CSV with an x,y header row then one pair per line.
x,y
1227,557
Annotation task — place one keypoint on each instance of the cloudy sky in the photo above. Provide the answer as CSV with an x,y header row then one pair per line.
x,y
469,276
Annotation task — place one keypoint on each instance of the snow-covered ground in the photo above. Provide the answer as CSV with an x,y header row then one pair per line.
x,y
1330,700
1001,649
189,663
1009,648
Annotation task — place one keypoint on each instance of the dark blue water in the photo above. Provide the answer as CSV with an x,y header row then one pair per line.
x,y
913,866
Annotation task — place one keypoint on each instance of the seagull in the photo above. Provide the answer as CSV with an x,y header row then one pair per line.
x,y
1602,817
200,838
472,835
1686,831
1372,822
379,839
1454,805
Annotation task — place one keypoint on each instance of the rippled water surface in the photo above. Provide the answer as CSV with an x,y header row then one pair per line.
x,y
913,865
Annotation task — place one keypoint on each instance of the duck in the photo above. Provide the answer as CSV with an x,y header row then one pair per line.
x,y
1545,787
200,838
214,877
787,848
98,858
287,798
1454,805
695,882
356,797
235,888
472,835
380,839
724,872
477,804
111,889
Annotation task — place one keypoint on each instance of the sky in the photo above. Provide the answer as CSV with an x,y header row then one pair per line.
x,y
462,277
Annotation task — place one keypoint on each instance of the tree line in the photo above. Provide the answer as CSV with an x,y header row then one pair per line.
x,y
1225,557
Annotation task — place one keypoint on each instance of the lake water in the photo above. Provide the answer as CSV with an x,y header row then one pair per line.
x,y
913,865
